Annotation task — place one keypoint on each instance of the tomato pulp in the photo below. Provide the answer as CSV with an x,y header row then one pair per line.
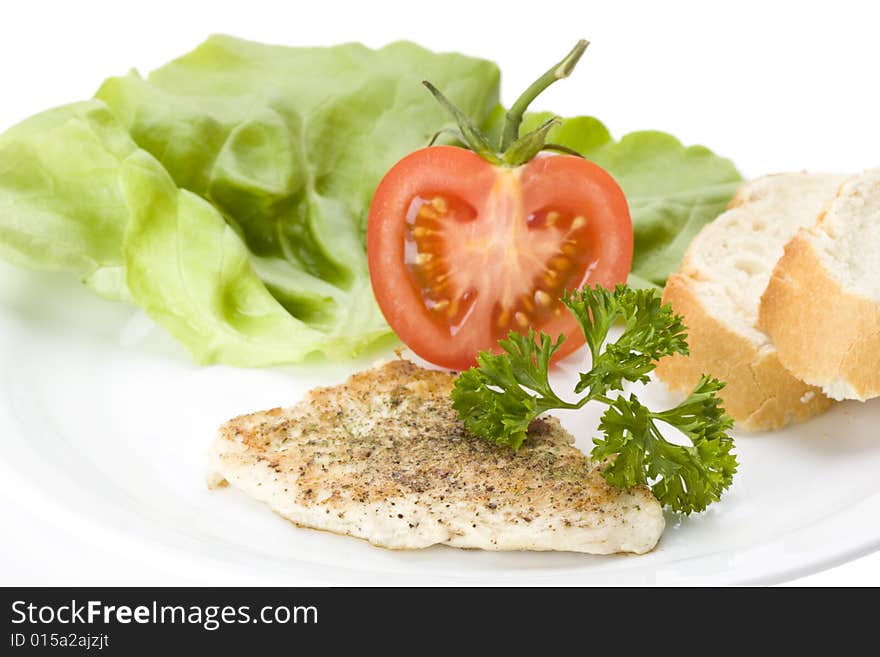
x,y
462,251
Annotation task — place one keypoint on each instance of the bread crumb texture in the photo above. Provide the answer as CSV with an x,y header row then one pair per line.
x,y
718,290
822,305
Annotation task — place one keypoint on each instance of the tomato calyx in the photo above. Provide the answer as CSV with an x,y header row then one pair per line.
x,y
513,149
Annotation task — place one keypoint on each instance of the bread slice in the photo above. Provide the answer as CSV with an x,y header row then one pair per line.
x,y
718,289
822,305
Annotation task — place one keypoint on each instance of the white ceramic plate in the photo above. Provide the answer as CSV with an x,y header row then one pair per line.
x,y
105,423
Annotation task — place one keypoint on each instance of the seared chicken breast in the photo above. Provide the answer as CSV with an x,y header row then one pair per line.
x,y
384,457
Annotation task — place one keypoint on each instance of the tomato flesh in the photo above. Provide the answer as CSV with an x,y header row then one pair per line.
x,y
455,260
462,252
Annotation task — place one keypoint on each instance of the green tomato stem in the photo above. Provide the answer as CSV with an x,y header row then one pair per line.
x,y
559,148
513,118
472,135
529,145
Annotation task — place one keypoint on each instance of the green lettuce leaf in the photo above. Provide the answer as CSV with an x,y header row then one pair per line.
x,y
289,144
61,207
78,195
672,190
192,273
227,193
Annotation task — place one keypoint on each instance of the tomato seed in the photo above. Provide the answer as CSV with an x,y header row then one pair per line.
x,y
427,211
560,263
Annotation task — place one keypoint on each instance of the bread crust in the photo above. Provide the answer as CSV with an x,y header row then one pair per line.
x,y
760,394
824,335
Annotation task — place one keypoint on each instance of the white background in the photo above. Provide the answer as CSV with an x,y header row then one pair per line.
x,y
781,86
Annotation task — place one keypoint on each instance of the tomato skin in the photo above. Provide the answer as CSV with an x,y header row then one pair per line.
x,y
573,186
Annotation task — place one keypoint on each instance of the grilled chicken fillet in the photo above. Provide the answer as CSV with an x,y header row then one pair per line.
x,y
384,457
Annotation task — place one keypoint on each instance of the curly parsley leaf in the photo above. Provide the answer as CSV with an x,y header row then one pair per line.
x,y
651,332
499,398
685,478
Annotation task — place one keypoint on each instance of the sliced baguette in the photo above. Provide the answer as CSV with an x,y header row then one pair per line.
x,y
718,289
822,305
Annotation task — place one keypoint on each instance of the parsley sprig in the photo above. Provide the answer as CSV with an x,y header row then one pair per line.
x,y
499,398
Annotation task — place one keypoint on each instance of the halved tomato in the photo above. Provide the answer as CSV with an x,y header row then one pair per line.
x,y
462,251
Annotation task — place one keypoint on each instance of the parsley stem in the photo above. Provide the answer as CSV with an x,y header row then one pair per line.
x,y
583,401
